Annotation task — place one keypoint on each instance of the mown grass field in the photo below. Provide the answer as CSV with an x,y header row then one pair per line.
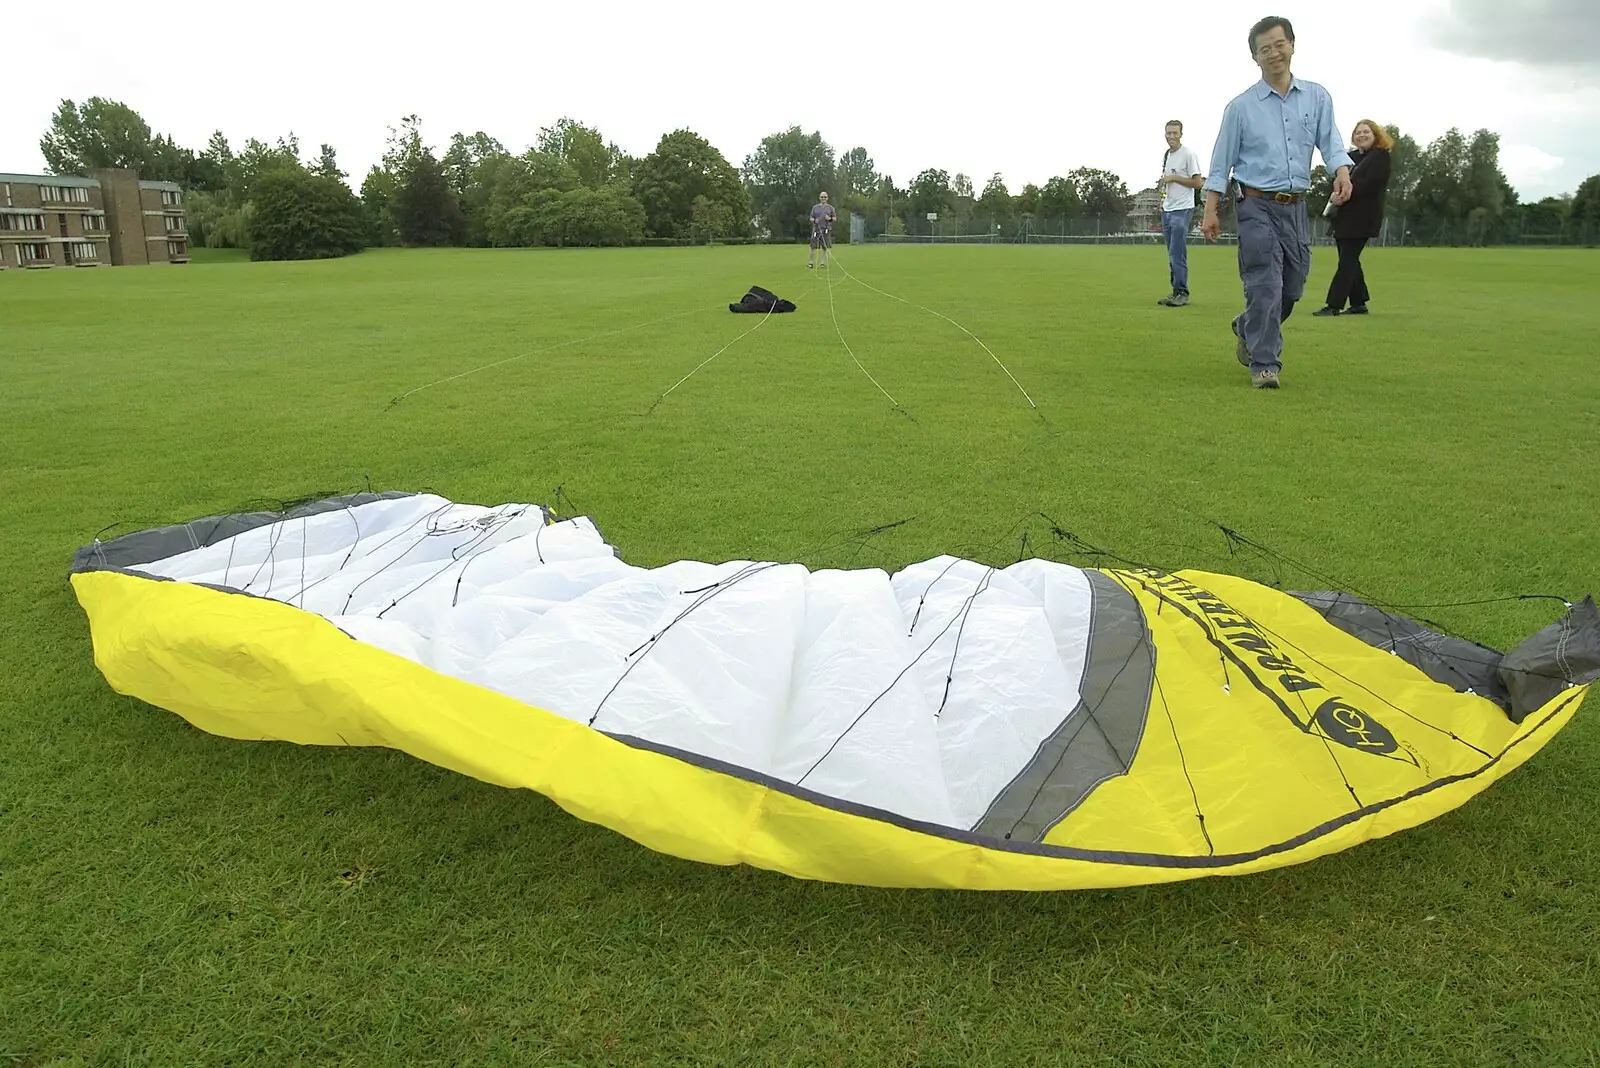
x,y
172,898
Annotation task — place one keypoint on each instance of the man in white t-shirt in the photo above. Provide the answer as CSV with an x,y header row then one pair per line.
x,y
1180,177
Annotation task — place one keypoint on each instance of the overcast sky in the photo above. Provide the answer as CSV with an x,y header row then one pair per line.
x,y
1026,89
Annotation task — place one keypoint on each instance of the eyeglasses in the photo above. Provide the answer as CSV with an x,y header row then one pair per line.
x,y
1279,46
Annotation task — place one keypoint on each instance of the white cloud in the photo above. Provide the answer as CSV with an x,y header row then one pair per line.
x,y
1527,165
1539,32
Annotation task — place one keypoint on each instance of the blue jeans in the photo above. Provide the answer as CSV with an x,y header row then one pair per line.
x,y
1175,228
1274,259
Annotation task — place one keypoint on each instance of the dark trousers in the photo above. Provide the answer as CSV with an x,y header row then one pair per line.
x,y
1349,281
1274,260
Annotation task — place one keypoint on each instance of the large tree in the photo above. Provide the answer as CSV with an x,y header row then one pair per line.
x,y
377,207
577,216
1548,216
1585,211
217,219
605,216
302,215
995,204
961,190
1441,190
1402,171
889,203
465,156
258,158
529,181
1027,201
682,172
101,133
212,168
108,133
423,205
1487,186
930,192
1320,192
784,176
583,149
328,164
1100,192
472,167
855,175
1461,187
1059,199
425,210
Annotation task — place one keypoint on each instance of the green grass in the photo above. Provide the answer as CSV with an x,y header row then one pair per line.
x,y
170,898
212,256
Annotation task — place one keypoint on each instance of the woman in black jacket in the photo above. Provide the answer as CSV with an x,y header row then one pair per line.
x,y
1359,219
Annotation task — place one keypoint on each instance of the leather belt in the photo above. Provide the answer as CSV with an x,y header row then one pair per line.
x,y
1281,198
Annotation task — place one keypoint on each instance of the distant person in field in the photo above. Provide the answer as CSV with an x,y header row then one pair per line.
x,y
822,216
1359,219
1267,135
1180,177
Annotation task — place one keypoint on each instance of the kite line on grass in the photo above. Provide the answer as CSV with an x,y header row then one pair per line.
x,y
548,348
896,405
952,322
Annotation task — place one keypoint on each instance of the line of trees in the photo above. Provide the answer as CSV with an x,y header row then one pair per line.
x,y
573,187
788,168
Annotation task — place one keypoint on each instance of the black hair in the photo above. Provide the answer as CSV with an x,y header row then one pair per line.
x,y
1175,122
1271,22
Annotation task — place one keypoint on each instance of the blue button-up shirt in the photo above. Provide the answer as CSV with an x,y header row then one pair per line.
x,y
1266,139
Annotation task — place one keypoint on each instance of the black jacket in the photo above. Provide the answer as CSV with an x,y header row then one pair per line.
x,y
1362,214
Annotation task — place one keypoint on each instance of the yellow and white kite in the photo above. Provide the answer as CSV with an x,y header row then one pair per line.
x,y
1038,726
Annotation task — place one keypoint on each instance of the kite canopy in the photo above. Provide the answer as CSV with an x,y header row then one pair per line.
x,y
1038,726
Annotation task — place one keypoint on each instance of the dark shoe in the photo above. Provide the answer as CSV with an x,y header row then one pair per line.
x,y
1177,300
1264,379
1357,309
1327,311
1241,350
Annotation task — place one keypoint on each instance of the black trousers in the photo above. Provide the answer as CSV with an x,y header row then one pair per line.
x,y
1349,281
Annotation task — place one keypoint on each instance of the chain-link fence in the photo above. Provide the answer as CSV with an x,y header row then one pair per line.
x,y
1118,229
1470,233
1143,230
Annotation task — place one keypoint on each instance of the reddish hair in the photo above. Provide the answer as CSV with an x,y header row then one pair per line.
x,y
1380,136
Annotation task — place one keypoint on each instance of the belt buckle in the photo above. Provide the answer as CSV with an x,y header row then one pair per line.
x,y
1284,198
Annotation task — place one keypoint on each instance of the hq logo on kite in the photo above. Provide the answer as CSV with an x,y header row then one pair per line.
x,y
1038,726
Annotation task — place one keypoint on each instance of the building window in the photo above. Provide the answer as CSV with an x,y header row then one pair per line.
x,y
63,194
93,222
8,194
22,222
174,222
85,250
171,197
30,253
176,250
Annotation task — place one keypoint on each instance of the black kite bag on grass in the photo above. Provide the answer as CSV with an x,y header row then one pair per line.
x,y
761,302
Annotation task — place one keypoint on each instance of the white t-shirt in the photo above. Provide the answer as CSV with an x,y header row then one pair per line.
x,y
1183,161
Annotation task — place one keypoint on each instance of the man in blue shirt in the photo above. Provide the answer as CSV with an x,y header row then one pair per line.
x,y
1267,135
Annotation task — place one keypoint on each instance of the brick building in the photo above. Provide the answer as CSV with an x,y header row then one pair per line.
x,y
108,217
